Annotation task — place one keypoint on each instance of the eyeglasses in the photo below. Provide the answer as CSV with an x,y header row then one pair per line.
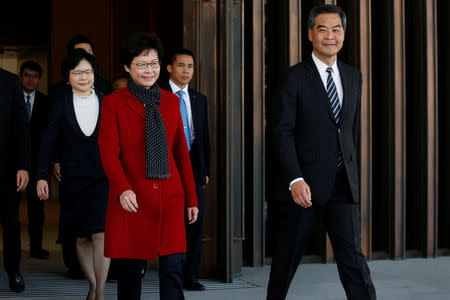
x,y
32,76
143,65
78,73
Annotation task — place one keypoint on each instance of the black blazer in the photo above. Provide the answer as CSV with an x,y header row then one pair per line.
x,y
79,155
38,124
201,149
14,134
305,136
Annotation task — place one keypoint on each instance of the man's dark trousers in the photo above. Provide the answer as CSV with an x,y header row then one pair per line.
x,y
194,234
341,218
9,215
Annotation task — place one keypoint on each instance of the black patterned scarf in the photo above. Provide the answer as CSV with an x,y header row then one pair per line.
x,y
156,147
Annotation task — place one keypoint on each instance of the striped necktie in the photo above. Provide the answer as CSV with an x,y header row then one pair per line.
x,y
184,116
335,105
333,96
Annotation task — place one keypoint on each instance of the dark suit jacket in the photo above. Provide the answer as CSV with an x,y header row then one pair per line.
x,y
306,138
14,135
37,124
78,153
201,150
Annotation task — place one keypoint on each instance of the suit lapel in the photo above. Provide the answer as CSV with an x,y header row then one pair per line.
x,y
35,108
194,108
70,114
38,106
97,126
346,86
317,84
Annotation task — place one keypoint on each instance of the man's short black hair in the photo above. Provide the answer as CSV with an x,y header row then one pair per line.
x,y
30,65
78,39
183,51
137,43
123,75
326,9
73,59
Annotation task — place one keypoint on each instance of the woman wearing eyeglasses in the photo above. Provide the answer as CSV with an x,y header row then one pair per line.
x,y
72,131
146,159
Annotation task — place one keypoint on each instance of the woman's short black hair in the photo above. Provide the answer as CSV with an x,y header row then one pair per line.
x,y
73,59
137,43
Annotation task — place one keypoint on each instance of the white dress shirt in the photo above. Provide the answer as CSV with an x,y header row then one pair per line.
x,y
32,96
86,112
187,100
322,68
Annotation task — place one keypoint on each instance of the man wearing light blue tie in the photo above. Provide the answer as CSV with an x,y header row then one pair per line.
x,y
194,112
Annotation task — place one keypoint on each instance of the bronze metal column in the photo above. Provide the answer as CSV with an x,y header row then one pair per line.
x,y
389,121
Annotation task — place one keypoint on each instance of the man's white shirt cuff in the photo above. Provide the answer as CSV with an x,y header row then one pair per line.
x,y
294,181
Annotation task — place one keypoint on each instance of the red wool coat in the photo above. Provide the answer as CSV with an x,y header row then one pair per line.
x,y
158,226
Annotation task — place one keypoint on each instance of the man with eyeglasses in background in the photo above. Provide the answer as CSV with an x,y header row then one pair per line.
x,y
37,106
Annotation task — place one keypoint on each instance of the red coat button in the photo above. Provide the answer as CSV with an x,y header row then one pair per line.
x,y
155,186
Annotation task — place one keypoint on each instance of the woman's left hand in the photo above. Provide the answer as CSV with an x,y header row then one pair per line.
x,y
192,213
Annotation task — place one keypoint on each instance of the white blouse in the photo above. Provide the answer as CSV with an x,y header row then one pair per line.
x,y
86,112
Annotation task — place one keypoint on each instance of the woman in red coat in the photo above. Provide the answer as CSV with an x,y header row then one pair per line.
x,y
145,157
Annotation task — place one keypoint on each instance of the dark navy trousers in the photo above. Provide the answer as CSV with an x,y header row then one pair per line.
x,y
341,218
129,278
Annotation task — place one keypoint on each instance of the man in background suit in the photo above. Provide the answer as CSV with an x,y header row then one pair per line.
x,y
38,106
315,129
14,163
194,112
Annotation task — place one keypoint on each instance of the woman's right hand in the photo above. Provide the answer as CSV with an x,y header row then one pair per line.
x,y
128,201
42,189
57,171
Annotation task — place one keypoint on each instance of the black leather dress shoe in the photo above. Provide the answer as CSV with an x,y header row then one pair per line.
x,y
40,254
16,282
193,285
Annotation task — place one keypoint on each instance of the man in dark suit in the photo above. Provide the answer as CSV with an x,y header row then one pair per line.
x,y
14,163
38,106
194,112
315,131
